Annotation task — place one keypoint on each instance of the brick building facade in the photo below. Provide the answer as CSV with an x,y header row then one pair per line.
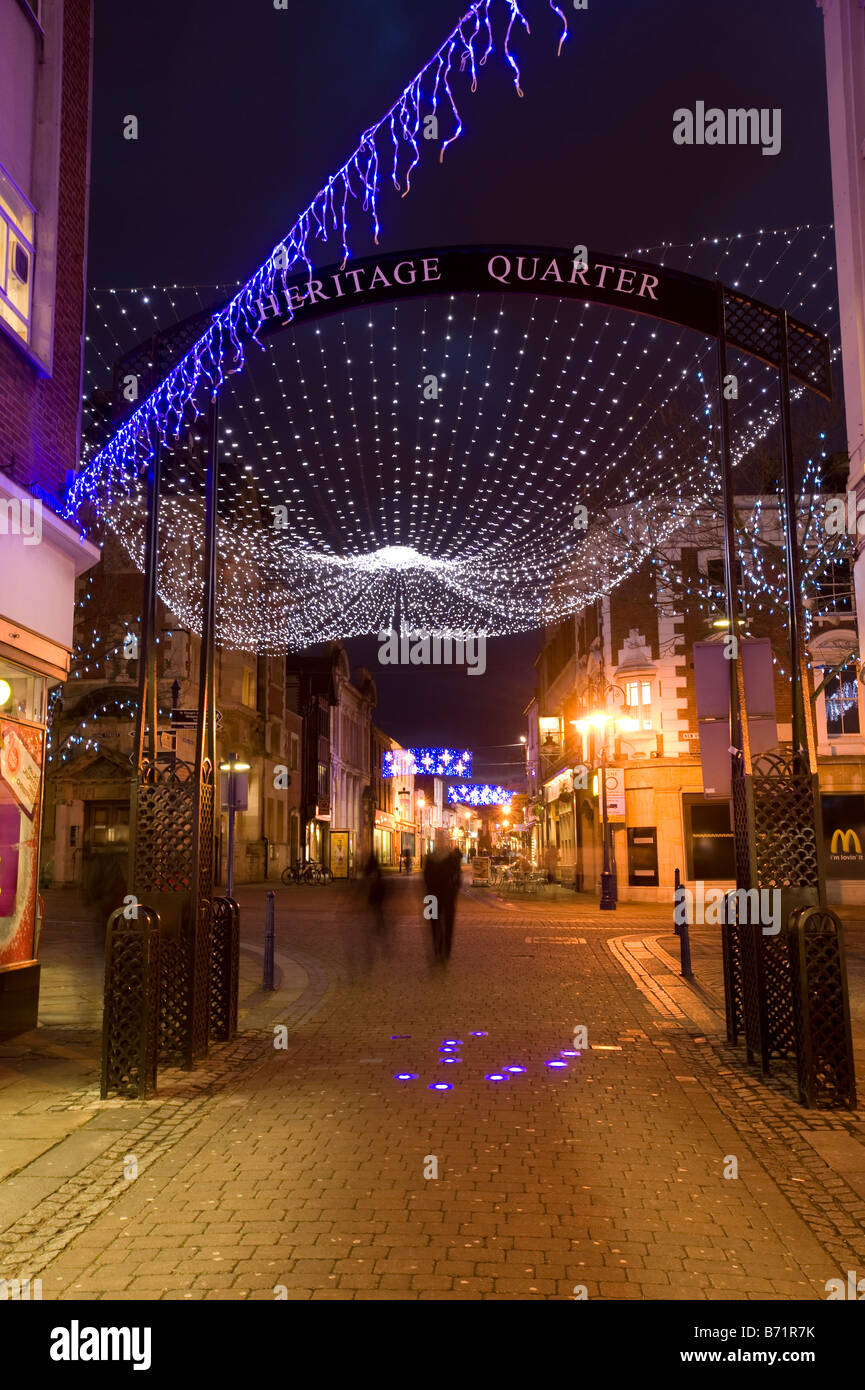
x,y
45,65
41,362
632,655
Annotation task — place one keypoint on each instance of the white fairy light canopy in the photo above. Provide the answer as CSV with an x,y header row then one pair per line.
x,y
467,459
479,461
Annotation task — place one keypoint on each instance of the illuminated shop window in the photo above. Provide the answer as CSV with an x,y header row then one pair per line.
x,y
22,693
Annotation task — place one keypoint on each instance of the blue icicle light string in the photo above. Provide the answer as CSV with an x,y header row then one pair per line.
x,y
220,351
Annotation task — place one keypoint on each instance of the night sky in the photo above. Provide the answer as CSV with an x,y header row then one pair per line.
x,y
244,110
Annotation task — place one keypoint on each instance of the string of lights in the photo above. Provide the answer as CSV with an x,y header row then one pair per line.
x,y
763,607
479,794
435,762
177,402
332,524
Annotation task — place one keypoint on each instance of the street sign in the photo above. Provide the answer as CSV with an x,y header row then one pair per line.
x,y
615,794
188,718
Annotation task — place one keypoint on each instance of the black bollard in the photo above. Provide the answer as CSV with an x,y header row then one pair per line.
x,y
685,946
269,941
681,929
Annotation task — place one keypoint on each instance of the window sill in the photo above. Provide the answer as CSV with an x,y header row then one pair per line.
x,y
42,367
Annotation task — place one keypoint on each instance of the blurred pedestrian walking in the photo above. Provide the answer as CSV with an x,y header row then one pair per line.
x,y
442,874
551,862
370,931
376,890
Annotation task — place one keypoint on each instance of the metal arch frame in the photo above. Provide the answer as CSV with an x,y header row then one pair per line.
x,y
689,301
734,320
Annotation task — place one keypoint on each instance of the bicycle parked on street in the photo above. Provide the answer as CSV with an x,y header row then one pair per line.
x,y
311,872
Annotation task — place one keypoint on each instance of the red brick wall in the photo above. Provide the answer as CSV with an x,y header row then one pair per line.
x,y
632,605
39,417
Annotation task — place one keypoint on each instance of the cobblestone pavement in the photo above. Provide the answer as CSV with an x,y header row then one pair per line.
x,y
304,1171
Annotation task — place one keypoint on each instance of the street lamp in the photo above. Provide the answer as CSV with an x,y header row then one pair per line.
x,y
232,767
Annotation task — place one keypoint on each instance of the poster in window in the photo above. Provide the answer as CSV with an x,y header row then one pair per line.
x,y
844,835
20,785
10,818
339,853
18,769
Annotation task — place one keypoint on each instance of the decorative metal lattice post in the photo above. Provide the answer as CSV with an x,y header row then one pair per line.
x,y
204,799
776,798
171,859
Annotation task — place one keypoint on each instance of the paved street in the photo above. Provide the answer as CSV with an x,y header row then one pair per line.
x,y
308,1171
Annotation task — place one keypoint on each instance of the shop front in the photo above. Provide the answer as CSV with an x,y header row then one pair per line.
x,y
407,843
37,605
383,839
23,696
318,840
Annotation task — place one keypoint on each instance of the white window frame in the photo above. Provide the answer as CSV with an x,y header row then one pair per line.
x,y
637,709
842,739
9,227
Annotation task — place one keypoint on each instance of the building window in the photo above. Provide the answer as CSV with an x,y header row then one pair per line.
x,y
716,574
833,589
639,705
709,841
248,693
109,824
842,703
17,241
295,753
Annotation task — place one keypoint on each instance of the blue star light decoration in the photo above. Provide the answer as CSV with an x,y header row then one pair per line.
x,y
434,762
479,794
